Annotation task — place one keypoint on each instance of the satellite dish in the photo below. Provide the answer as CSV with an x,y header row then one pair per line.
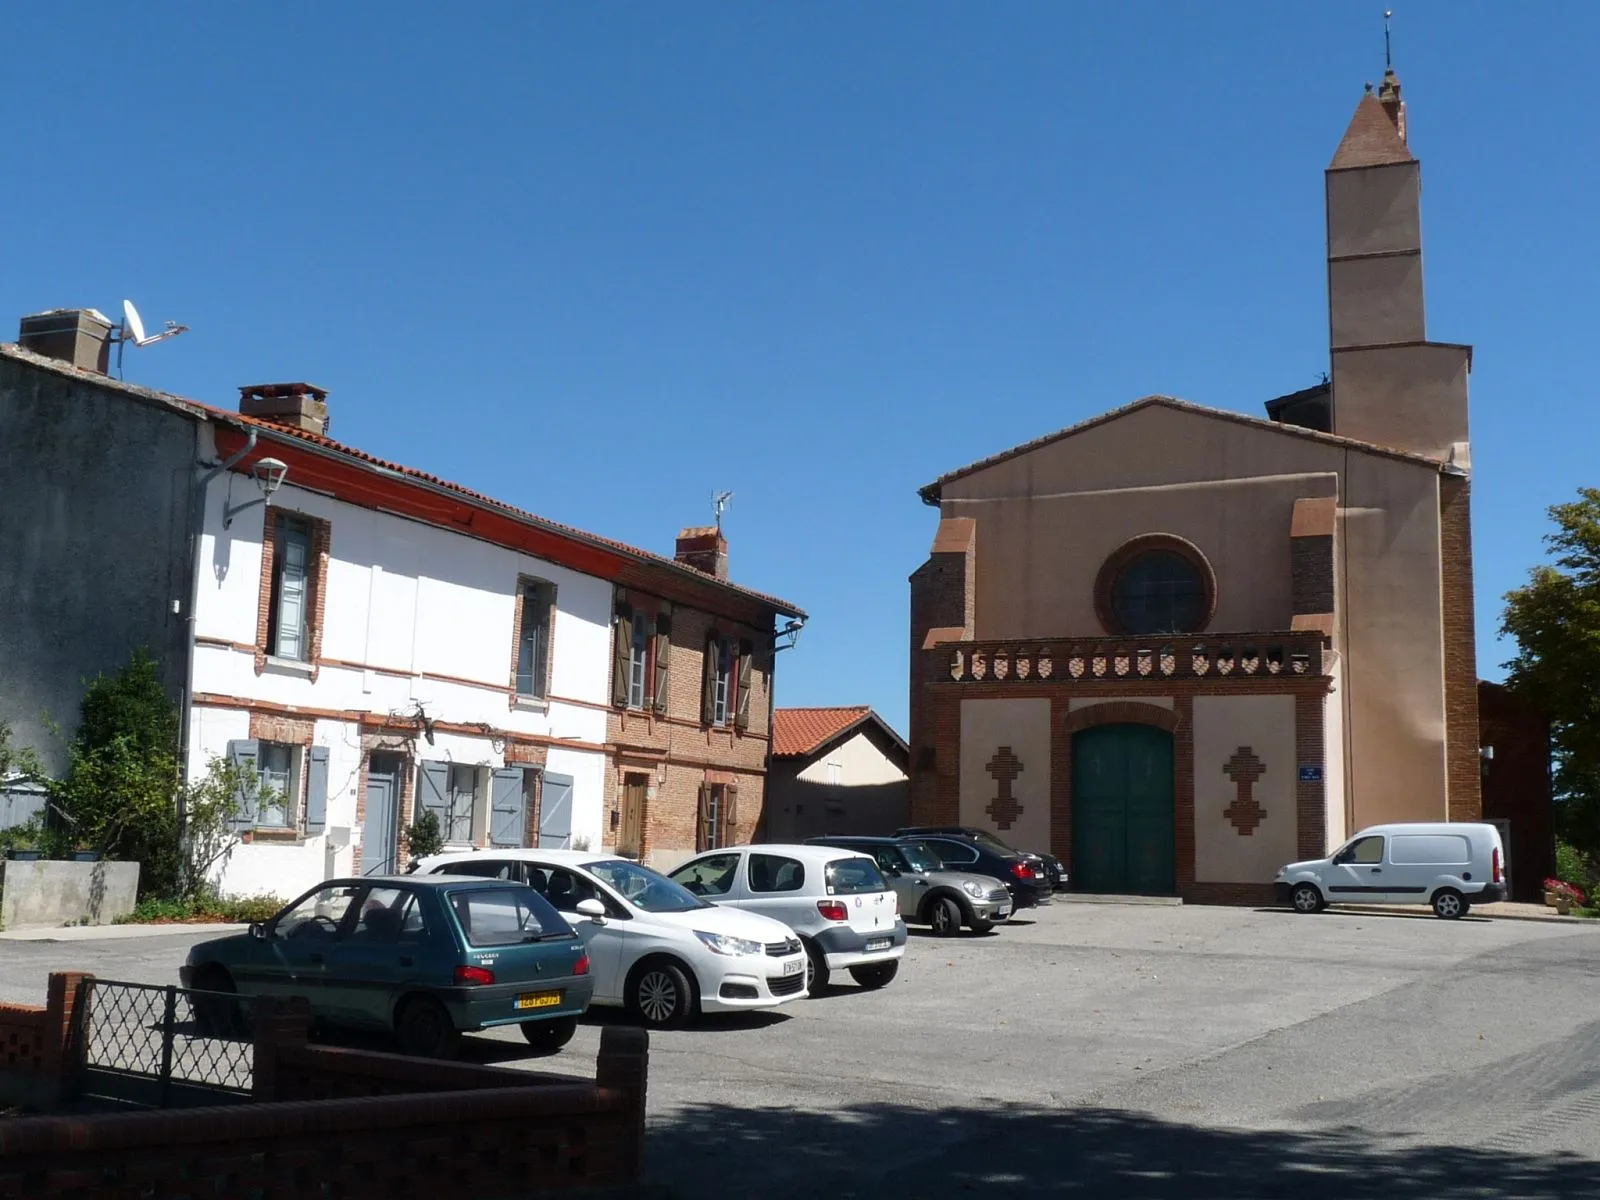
x,y
132,330
131,323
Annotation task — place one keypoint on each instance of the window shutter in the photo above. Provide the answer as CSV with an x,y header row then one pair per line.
x,y
730,814
294,572
702,831
245,755
505,807
317,790
708,685
663,657
434,792
555,812
622,655
747,656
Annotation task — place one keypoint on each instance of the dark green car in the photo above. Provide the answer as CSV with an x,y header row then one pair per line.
x,y
427,956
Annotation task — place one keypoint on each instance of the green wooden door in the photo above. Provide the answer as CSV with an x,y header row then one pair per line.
x,y
1122,823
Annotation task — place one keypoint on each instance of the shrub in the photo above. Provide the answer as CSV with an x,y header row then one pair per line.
x,y
204,909
423,836
1573,866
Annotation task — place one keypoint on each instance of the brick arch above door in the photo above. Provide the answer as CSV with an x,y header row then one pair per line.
x,y
1121,712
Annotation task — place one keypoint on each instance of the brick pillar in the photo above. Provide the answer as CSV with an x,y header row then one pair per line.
x,y
624,1066
281,1024
65,1012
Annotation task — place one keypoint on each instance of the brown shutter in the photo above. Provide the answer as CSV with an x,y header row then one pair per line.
x,y
702,824
747,655
730,814
622,651
663,650
708,682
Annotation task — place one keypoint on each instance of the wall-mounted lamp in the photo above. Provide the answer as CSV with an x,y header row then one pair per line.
x,y
791,631
269,474
1485,759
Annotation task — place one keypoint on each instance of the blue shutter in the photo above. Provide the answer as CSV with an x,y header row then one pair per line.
x,y
292,577
245,755
434,793
505,807
555,812
317,790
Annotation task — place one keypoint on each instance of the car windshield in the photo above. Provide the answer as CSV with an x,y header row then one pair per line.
x,y
920,856
847,876
506,916
984,838
647,890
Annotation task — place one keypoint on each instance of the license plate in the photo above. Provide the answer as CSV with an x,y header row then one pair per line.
x,y
795,967
1003,911
539,1000
880,943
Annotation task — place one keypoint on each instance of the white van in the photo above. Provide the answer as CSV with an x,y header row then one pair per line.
x,y
1449,865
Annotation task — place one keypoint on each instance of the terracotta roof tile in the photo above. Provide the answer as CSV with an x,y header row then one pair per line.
x,y
1371,140
800,731
210,411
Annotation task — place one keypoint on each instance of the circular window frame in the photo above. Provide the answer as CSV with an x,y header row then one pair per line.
x,y
1118,561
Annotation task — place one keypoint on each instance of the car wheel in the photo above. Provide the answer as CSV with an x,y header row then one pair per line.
x,y
816,970
1307,898
660,995
214,1016
550,1036
1449,904
875,975
425,1030
944,914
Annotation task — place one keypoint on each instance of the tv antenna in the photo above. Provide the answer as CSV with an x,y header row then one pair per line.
x,y
132,330
720,503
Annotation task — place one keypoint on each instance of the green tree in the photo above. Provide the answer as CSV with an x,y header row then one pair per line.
x,y
1555,619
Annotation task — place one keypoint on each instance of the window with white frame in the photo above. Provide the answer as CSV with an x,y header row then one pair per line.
x,y
462,799
533,637
276,767
722,699
289,617
639,659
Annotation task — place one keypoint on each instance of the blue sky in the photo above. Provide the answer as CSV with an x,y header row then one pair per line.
x,y
602,260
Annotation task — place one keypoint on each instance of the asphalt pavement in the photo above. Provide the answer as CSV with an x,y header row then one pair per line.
x,y
1120,1050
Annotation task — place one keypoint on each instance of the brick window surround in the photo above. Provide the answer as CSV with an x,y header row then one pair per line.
x,y
316,602
1134,548
543,694
300,733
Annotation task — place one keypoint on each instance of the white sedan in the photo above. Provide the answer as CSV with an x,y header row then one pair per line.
x,y
654,947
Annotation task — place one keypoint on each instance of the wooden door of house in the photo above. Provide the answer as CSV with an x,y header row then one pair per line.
x,y
630,841
1122,810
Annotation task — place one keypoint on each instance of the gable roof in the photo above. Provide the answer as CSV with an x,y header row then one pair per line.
x,y
801,732
658,565
1371,139
931,493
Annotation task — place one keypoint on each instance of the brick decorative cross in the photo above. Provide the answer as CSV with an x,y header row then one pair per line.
x,y
1244,768
1005,767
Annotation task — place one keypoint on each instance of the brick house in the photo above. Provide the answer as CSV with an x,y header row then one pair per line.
x,y
371,641
1179,647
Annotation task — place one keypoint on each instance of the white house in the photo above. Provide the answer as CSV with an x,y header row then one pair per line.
x,y
375,642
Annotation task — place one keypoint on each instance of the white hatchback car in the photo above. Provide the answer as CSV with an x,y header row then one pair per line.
x,y
835,899
653,947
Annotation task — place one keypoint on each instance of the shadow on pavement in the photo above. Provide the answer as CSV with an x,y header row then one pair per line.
x,y
907,1153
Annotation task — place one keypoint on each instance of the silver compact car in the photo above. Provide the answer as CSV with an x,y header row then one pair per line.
x,y
929,893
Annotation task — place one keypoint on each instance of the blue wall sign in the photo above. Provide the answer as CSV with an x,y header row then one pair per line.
x,y
1310,774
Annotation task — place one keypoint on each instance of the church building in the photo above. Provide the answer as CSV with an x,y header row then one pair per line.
x,y
1179,647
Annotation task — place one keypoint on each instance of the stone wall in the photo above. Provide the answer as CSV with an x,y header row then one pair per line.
x,y
48,892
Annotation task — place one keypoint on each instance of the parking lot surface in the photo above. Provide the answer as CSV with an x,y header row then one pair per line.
x,y
1119,1050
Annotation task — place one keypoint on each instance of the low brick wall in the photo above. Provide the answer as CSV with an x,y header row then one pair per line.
x,y
330,1122
36,1064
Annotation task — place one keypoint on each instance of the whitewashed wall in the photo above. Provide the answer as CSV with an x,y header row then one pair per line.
x,y
404,601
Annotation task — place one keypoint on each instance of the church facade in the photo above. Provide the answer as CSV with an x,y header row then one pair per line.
x,y
1179,647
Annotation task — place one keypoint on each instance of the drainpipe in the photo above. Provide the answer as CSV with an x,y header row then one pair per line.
x,y
197,521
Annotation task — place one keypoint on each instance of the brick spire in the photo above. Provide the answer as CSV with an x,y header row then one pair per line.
x,y
1376,135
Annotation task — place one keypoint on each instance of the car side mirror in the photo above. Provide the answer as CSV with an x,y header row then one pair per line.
x,y
592,909
258,931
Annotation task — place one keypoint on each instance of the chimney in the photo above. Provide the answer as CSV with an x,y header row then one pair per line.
x,y
80,336
1393,105
705,549
302,406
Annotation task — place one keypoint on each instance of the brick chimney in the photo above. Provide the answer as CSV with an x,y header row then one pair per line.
x,y
1393,105
302,406
705,549
80,336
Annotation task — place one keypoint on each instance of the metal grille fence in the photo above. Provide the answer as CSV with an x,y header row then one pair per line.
x,y
149,1044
